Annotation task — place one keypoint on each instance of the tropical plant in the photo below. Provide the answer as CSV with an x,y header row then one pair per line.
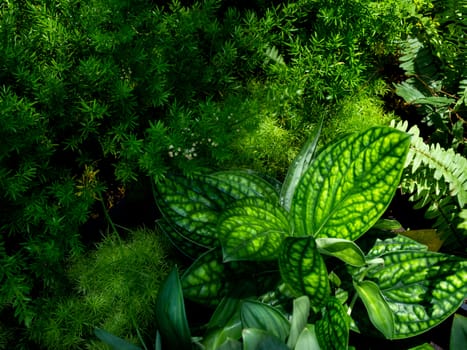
x,y
257,246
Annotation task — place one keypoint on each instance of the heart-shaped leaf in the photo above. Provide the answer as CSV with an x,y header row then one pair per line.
x,y
422,288
342,249
332,329
253,229
350,184
204,280
302,268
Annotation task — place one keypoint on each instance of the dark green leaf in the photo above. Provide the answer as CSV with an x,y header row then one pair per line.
x,y
458,338
170,314
332,330
203,282
262,316
299,165
350,184
422,288
378,309
302,268
113,341
342,249
193,205
258,339
253,229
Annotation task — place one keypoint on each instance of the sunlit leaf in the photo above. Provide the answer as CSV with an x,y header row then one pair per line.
x,y
253,229
422,288
303,270
342,249
377,307
350,184
299,165
431,238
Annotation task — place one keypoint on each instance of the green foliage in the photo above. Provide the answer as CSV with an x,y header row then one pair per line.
x,y
433,59
113,289
436,180
360,174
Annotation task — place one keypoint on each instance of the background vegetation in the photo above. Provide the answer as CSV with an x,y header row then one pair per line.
x,y
99,96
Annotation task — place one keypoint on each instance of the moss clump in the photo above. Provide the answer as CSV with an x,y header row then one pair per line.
x,y
115,287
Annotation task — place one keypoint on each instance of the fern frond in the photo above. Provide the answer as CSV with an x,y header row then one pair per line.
x,y
446,164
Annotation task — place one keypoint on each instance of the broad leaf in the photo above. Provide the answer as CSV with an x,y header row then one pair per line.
x,y
308,339
257,315
253,229
350,184
394,244
170,314
422,288
378,309
302,268
299,165
203,282
342,249
193,205
301,311
243,184
258,339
113,341
332,330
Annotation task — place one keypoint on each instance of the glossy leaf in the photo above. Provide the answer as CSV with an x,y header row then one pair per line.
x,y
422,288
170,314
298,167
243,184
258,315
350,184
302,268
332,330
258,339
300,313
378,309
253,229
394,244
229,344
345,250
203,282
113,341
308,339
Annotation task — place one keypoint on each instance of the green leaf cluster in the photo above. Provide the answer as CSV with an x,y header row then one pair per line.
x,y
254,248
